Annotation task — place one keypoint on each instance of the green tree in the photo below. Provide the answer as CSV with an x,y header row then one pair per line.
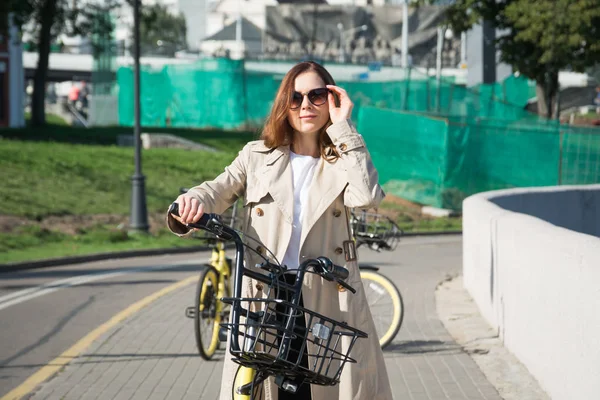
x,y
542,37
45,20
161,32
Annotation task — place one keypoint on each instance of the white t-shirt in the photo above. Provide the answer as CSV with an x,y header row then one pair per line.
x,y
303,169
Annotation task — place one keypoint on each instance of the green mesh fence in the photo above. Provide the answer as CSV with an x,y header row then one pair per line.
x,y
580,155
104,56
409,152
439,161
209,93
221,93
513,90
432,141
489,155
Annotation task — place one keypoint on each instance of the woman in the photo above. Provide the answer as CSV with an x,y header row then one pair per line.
x,y
309,165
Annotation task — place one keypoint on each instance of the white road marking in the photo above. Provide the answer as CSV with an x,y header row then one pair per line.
x,y
51,287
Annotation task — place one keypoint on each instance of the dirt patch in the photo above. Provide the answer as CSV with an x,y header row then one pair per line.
x,y
390,198
74,224
409,210
8,223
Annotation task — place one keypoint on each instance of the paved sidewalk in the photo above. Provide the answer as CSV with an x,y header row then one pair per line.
x,y
152,355
462,319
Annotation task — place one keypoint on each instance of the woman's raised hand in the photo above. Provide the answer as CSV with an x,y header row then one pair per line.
x,y
344,111
190,209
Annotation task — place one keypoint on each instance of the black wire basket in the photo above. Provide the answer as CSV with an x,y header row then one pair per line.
x,y
282,338
376,230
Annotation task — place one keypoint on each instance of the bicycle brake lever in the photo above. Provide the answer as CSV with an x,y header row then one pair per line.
x,y
268,266
218,230
328,277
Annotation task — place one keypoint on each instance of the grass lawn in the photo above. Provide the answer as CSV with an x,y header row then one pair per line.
x,y
51,119
49,179
64,199
66,191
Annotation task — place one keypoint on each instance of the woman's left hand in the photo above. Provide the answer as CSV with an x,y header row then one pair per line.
x,y
344,111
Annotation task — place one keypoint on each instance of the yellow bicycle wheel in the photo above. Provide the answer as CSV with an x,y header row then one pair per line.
x,y
244,376
207,317
385,303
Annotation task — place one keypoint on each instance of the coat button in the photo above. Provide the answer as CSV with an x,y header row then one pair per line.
x,y
339,250
260,249
337,213
260,212
259,286
343,147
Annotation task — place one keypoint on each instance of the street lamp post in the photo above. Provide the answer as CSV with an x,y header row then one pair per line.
x,y
138,221
405,34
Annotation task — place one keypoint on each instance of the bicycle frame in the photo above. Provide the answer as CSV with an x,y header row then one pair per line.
x,y
219,261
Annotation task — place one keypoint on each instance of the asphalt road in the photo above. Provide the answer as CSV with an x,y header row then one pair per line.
x,y
45,311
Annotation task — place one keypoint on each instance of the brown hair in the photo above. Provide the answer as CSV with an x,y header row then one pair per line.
x,y
277,130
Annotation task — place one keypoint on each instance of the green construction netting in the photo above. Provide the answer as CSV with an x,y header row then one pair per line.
x,y
220,93
513,90
408,151
210,93
433,142
104,57
439,161
580,161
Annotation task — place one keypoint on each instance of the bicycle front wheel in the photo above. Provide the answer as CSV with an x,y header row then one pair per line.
x,y
385,303
207,317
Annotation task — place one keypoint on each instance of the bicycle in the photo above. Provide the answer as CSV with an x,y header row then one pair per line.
x,y
213,284
280,336
379,232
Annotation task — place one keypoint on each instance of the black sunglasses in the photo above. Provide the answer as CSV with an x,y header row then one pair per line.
x,y
317,97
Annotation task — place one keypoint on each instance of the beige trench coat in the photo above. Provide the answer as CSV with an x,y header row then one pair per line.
x,y
264,177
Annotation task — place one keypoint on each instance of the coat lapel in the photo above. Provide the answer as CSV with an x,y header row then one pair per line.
x,y
326,186
276,174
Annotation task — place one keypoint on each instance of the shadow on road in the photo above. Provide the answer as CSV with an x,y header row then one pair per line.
x,y
54,331
423,347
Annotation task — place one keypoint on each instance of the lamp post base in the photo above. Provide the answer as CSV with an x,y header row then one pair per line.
x,y
138,221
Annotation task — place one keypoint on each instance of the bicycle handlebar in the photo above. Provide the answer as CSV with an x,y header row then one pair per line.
x,y
210,222
323,266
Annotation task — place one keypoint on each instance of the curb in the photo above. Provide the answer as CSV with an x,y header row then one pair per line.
x,y
63,261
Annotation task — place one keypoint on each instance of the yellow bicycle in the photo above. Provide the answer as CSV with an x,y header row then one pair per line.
x,y
272,336
378,232
208,311
214,283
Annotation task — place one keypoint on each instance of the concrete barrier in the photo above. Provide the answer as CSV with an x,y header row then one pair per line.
x,y
531,262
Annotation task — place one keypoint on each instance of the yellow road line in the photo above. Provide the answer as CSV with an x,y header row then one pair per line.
x,y
73,352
